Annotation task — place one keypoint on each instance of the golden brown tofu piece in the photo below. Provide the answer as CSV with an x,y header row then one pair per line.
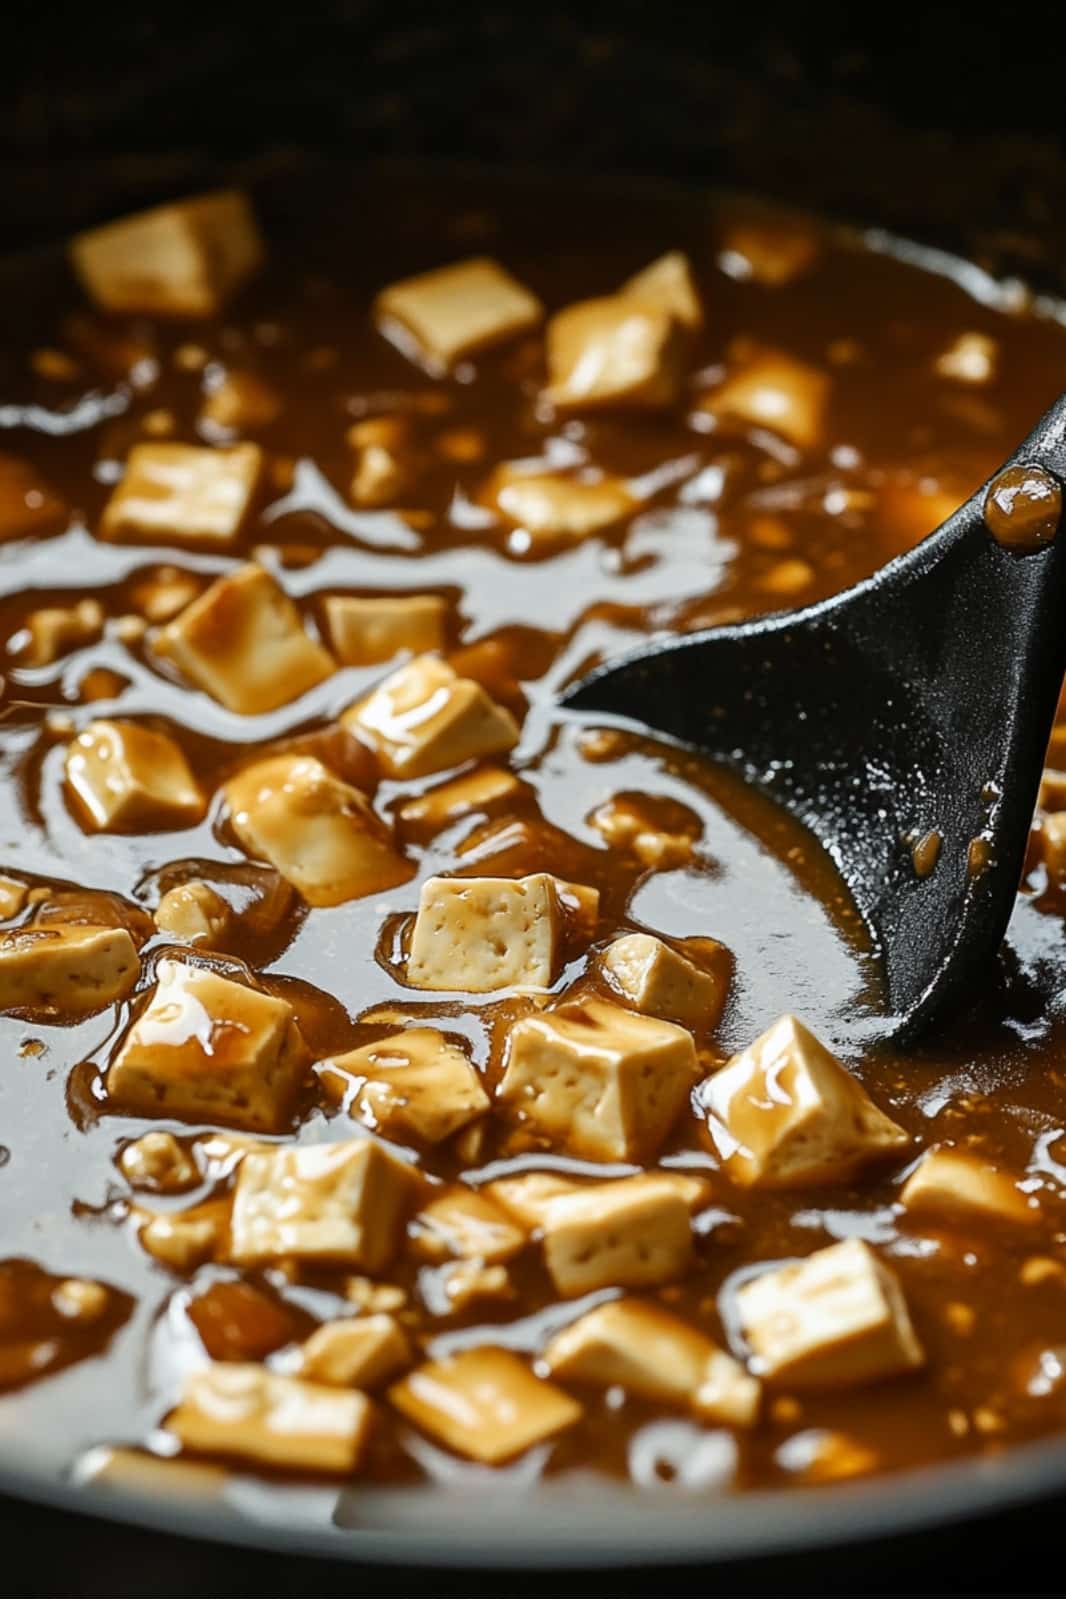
x,y
651,1353
185,492
412,1085
614,353
485,1404
528,1196
786,1113
363,633
165,592
318,832
424,718
194,913
465,1224
127,778
157,1162
70,970
356,1352
13,896
660,982
53,631
971,358
773,390
667,283
482,934
234,1408
459,310
184,259
631,823
628,1234
597,1080
545,507
207,1049
244,643
838,1318
28,507
439,807
240,402
959,1186
184,1240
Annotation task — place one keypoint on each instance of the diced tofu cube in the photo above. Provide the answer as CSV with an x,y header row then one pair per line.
x,y
659,835
413,1084
128,778
236,1408
424,718
344,1203
54,630
166,591
597,1080
1052,790
70,970
484,1403
463,1282
438,808
785,1112
660,982
240,402
629,1234
958,1185
244,643
356,1352
667,283
156,1161
184,492
547,507
13,896
614,353
459,310
185,1240
207,1049
382,476
194,913
528,1196
971,358
366,632
771,252
837,1318
467,1224
481,934
319,833
775,391
651,1353
184,259
28,507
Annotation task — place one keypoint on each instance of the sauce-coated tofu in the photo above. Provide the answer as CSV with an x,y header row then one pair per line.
x,y
476,791
356,1352
660,982
956,1184
547,507
629,1234
775,391
208,1049
185,1240
243,642
485,1404
363,633
413,1084
13,896
318,832
615,352
28,507
194,913
466,1224
54,630
343,1203
456,311
184,259
184,492
128,778
240,402
598,1080
70,970
837,1318
785,1112
241,1409
667,283
424,718
651,1353
156,1161
529,1195
481,934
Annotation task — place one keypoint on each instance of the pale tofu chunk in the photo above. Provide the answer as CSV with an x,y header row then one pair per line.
x,y
628,822
413,1084
29,508
356,1352
481,934
837,1318
183,259
529,1196
1052,790
772,253
241,1409
344,1203
363,633
465,1224
785,1113
240,402
651,1353
165,592
13,896
971,358
244,643
775,391
127,779
614,353
207,1049
53,631
629,1234
424,718
156,1161
184,492
660,982
476,791
184,1240
318,832
958,1185
485,1404
668,284
458,310
70,970
597,1080
548,506
194,913
381,477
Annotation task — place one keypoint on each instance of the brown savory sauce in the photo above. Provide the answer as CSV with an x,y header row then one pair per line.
x,y
220,880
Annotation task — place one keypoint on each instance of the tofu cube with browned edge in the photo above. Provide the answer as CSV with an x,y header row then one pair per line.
x,y
775,391
630,1234
546,507
207,1049
183,492
785,1113
958,1185
424,718
412,1085
459,310
481,934
660,982
484,1403
356,1352
614,353
465,1224
194,913
318,832
70,970
244,643
127,778
344,1203
364,632
184,259
240,1409
668,284
597,1080
836,1319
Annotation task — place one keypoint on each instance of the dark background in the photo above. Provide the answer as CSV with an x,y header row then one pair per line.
x,y
943,121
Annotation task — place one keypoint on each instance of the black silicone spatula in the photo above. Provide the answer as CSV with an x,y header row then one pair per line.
x,y
904,721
